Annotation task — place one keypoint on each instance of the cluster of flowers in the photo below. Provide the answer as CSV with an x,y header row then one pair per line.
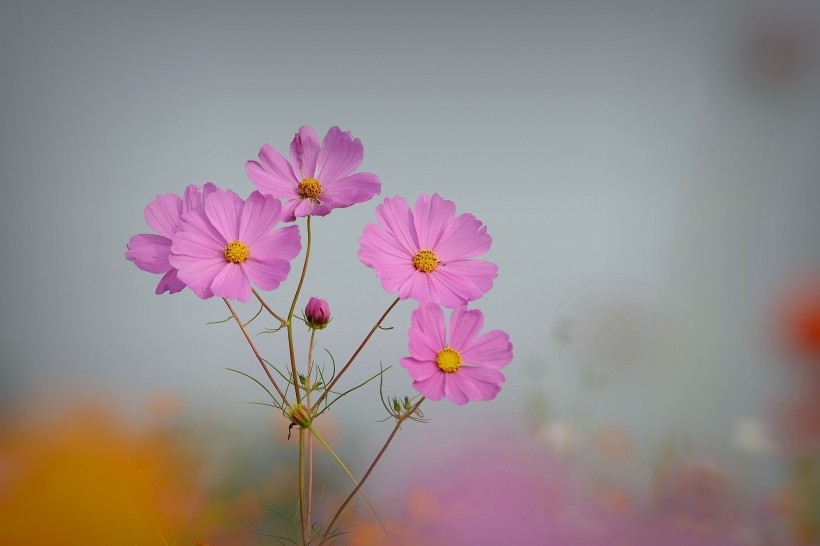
x,y
217,244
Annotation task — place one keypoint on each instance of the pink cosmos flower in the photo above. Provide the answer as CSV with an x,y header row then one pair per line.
x,y
464,368
318,178
426,254
231,243
150,251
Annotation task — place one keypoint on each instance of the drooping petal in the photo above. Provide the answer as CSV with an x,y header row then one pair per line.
x,y
149,252
259,215
431,216
232,283
304,151
339,156
492,349
352,189
223,209
272,174
163,214
465,324
170,283
309,207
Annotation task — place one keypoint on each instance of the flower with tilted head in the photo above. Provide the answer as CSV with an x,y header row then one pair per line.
x,y
461,366
318,178
231,243
426,254
317,313
150,251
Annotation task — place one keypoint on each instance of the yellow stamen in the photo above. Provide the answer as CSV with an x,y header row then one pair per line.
x,y
448,360
425,261
309,188
236,252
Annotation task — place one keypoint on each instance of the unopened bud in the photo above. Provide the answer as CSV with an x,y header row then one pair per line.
x,y
299,415
317,313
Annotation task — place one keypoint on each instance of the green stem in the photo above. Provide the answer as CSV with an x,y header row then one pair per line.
x,y
399,421
304,518
290,316
256,352
349,475
267,308
358,350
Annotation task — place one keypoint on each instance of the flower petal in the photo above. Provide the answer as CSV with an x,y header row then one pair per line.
x,y
304,150
492,349
232,283
352,189
397,219
464,237
223,208
272,174
149,252
465,324
339,156
170,283
427,332
431,216
259,215
464,281
430,381
163,214
197,272
472,383
194,197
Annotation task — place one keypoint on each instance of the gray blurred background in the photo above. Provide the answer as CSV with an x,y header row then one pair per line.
x,y
648,172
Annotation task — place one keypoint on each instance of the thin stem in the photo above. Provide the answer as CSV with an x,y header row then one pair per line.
x,y
349,475
309,391
399,421
256,352
290,315
267,308
358,350
304,518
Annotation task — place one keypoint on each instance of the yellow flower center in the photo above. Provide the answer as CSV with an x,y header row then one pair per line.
x,y
236,252
425,261
309,188
448,360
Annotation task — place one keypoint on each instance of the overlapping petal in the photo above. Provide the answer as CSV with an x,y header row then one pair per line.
x,y
150,252
198,250
478,377
331,163
401,233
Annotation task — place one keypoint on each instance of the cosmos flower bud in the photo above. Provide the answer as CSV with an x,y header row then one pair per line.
x,y
317,313
299,415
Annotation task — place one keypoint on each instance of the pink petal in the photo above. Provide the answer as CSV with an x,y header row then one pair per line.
x,y
380,249
194,197
304,150
149,252
339,156
493,350
472,383
465,324
196,238
273,175
463,281
259,215
163,214
431,386
232,283
356,188
223,209
170,283
464,237
198,273
309,207
427,332
397,219
431,216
